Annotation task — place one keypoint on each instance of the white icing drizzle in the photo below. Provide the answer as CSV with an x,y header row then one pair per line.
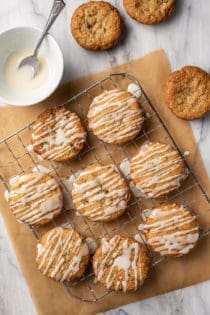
x,y
67,225
6,195
171,236
31,206
59,135
30,148
51,256
186,153
92,245
42,169
109,117
125,169
118,257
139,238
67,185
145,213
135,90
152,168
105,192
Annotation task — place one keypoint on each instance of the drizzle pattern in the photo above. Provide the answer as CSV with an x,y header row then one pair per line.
x,y
100,193
58,135
115,116
62,254
35,198
171,230
157,169
121,264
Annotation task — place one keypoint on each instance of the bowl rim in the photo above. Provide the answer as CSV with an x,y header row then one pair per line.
x,y
59,50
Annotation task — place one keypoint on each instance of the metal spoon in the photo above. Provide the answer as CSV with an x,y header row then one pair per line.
x,y
33,61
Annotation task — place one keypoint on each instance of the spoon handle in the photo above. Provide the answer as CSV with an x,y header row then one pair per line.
x,y
57,7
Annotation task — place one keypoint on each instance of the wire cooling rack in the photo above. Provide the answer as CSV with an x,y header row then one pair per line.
x,y
19,160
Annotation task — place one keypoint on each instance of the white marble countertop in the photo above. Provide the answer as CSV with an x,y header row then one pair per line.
x,y
185,38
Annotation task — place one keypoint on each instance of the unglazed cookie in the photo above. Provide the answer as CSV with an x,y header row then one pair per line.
x,y
62,254
187,93
121,263
35,198
157,169
115,116
171,230
149,11
100,193
96,25
58,135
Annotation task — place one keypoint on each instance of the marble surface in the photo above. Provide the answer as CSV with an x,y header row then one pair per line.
x,y
185,38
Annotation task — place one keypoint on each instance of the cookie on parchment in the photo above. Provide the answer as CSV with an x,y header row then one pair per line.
x,y
100,193
157,169
96,25
58,135
115,116
149,11
62,254
187,93
35,198
121,263
171,230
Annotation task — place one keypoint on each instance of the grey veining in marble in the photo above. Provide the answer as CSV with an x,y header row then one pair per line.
x,y
186,39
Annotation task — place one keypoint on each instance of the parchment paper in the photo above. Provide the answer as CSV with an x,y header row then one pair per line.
x,y
51,298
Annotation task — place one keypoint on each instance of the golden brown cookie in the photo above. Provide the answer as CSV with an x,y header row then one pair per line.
x,y
58,135
62,254
115,116
96,25
187,93
171,230
100,193
121,263
35,198
157,169
149,11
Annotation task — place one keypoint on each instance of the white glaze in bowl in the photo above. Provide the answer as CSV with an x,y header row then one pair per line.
x,y
26,38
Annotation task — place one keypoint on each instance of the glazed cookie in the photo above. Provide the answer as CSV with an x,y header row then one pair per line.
x,y
62,254
187,93
35,198
115,116
96,25
171,230
58,135
149,11
121,263
100,193
157,169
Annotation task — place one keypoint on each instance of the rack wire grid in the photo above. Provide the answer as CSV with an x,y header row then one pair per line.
x,y
20,160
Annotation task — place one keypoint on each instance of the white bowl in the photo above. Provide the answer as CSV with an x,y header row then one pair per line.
x,y
26,38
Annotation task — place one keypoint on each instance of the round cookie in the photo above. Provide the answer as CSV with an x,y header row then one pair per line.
x,y
96,25
35,198
187,93
100,193
121,263
157,169
149,12
62,254
171,230
115,116
58,135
